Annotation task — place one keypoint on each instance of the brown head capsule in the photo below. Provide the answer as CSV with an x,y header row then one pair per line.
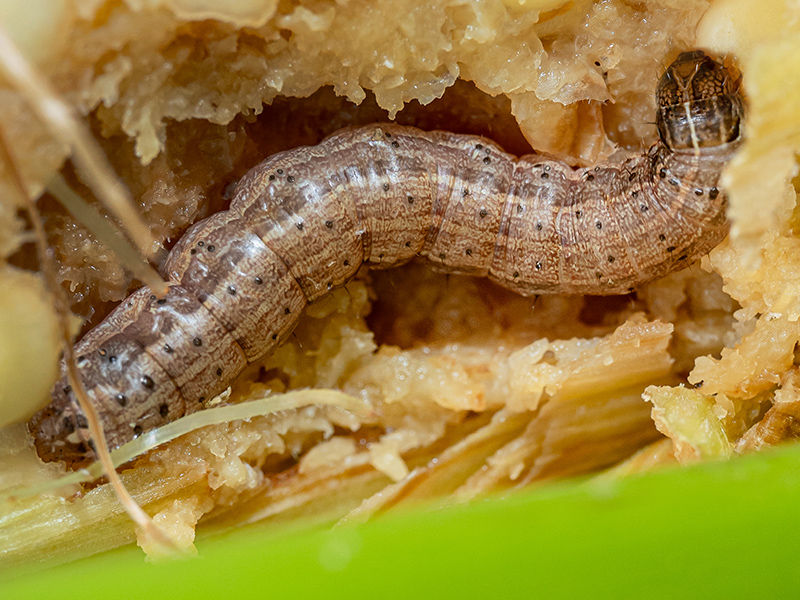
x,y
303,222
699,104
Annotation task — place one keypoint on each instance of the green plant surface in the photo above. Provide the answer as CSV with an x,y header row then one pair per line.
x,y
715,530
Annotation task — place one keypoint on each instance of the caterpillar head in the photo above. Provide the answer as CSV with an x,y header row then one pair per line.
x,y
699,103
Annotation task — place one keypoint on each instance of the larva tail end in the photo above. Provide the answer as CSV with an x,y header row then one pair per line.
x,y
59,431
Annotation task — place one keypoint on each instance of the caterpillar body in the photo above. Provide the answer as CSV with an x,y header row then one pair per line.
x,y
304,221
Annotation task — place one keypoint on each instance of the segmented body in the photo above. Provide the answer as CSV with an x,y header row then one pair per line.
x,y
303,222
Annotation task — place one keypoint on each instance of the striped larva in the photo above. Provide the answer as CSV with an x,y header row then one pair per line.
x,y
304,221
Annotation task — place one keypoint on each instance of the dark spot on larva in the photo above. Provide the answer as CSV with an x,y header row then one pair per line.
x,y
408,244
578,213
161,301
478,146
231,290
698,192
329,285
395,144
713,193
599,225
468,251
538,266
545,175
201,244
699,384
388,135
465,193
279,171
271,177
539,227
682,257
644,207
167,348
112,359
597,63
634,193
385,187
202,297
346,263
274,336
197,342
486,160
670,248
68,425
599,275
611,259
201,399
662,237
81,420
515,274
219,371
520,208
380,256
589,177
287,311
82,360
662,173
102,352
329,224
258,280
163,410
147,381
66,389
482,212
193,251
442,255
632,176
121,399
410,199
152,297
137,430
290,178
210,247
674,181
299,226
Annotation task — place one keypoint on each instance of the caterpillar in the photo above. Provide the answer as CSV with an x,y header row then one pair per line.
x,y
304,221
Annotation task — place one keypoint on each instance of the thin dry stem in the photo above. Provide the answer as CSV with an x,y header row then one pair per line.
x,y
67,128
142,520
105,231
